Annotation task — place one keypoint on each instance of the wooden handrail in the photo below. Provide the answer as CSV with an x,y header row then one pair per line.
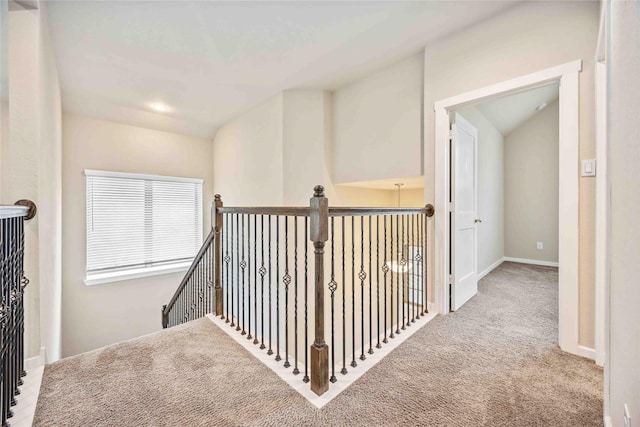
x,y
196,260
333,211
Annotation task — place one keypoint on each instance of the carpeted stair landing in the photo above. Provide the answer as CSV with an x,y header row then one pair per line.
x,y
495,362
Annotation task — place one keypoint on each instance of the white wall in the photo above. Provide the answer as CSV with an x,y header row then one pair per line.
x,y
31,170
50,195
21,164
377,125
622,373
247,157
491,184
531,187
94,316
527,38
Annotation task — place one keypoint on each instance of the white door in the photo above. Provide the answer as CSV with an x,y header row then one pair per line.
x,y
464,194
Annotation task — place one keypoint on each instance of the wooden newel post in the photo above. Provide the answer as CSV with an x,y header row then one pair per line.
x,y
319,234
217,228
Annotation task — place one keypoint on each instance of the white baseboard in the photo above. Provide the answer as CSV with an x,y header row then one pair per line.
x,y
607,421
431,307
532,261
36,361
587,352
490,268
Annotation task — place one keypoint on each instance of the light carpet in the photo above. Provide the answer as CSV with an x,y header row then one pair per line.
x,y
495,362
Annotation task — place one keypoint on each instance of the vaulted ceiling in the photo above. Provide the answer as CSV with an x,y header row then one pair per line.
x,y
211,61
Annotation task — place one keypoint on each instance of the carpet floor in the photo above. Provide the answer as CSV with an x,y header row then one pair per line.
x,y
495,362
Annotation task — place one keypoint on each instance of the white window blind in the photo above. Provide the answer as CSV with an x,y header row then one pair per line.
x,y
137,221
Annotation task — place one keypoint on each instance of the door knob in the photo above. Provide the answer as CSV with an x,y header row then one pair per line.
x,y
478,220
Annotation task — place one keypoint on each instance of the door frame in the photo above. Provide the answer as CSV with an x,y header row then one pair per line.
x,y
567,77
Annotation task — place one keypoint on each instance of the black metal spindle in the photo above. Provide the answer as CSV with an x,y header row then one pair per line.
x,y
353,292
306,300
255,284
243,266
343,371
236,260
362,276
391,254
332,288
262,271
296,371
385,270
370,351
378,345
398,257
227,260
403,265
270,351
287,280
278,358
414,304
423,247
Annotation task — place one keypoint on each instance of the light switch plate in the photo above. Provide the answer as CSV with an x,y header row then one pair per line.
x,y
589,167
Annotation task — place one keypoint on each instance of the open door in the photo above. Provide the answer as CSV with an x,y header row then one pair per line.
x,y
464,207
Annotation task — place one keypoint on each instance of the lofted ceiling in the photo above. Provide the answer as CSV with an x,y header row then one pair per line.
x,y
509,112
211,61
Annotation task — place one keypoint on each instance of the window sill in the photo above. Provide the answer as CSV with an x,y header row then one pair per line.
x,y
99,279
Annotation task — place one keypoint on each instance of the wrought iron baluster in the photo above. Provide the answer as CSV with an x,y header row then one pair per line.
x,y
378,345
403,265
255,282
385,270
391,256
227,260
413,273
287,280
278,358
344,306
243,266
306,300
370,293
296,371
362,276
332,288
270,351
423,247
263,271
353,291
237,278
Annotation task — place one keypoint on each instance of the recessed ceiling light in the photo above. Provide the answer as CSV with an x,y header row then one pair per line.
x,y
541,106
158,106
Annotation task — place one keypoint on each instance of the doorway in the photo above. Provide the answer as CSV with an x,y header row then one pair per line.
x,y
566,76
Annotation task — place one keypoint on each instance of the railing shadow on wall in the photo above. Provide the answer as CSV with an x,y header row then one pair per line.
x,y
13,285
368,283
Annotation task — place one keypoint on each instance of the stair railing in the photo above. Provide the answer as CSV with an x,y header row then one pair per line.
x,y
12,289
257,279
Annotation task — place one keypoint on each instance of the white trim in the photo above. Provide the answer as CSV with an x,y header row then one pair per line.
x,y
518,84
142,176
36,361
532,261
603,218
567,76
334,389
608,422
117,276
490,268
588,352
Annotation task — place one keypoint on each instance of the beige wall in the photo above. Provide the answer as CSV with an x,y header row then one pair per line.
x,y
377,125
491,195
531,187
622,372
98,315
527,38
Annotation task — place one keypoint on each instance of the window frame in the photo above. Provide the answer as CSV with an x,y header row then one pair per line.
x,y
97,278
